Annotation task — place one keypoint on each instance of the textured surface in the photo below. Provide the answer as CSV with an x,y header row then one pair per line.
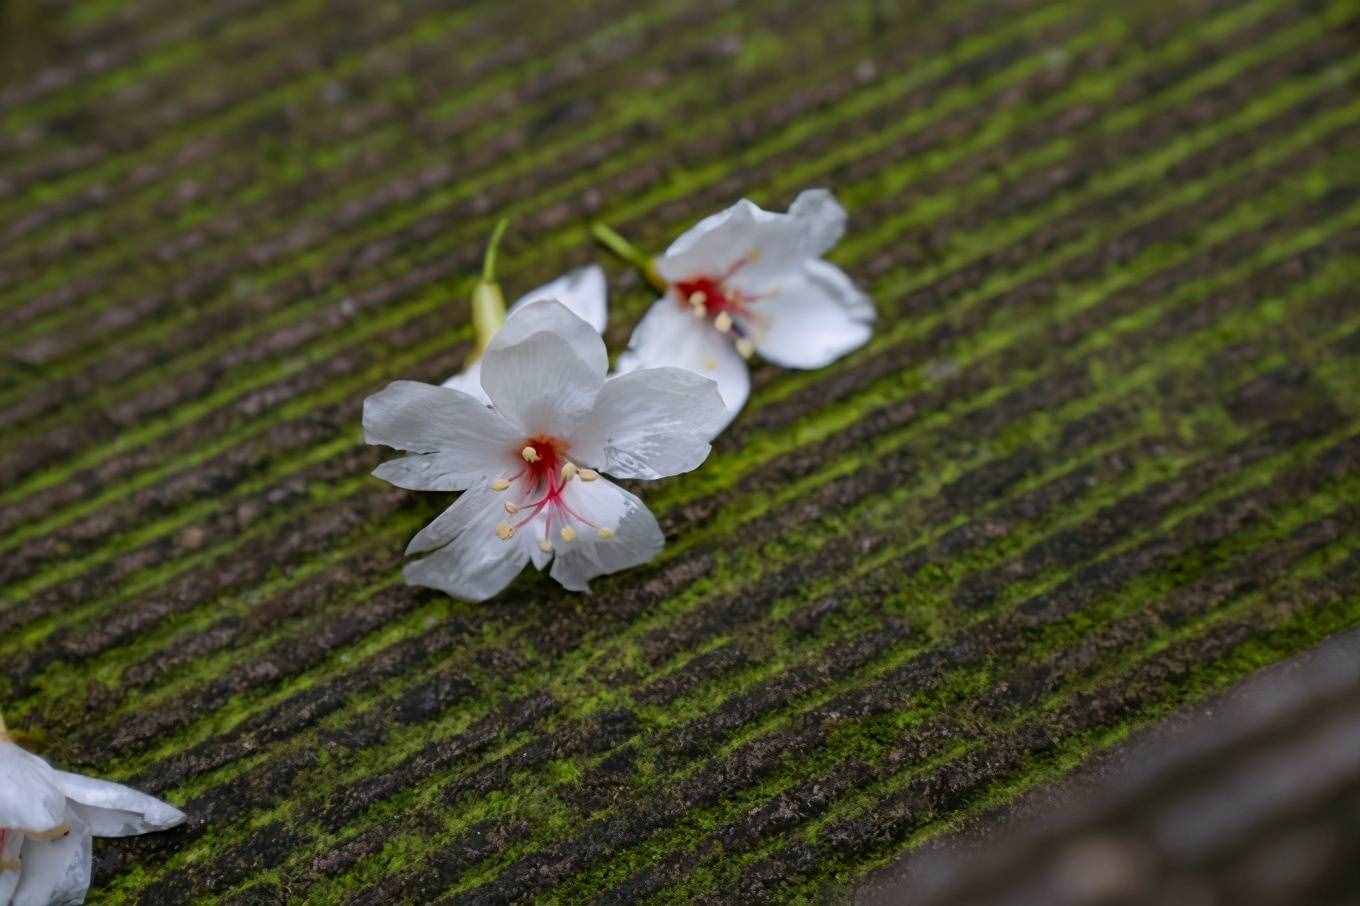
x,y
1251,798
1101,458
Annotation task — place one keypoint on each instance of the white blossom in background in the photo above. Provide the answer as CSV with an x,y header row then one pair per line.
x,y
747,281
47,819
529,463
585,294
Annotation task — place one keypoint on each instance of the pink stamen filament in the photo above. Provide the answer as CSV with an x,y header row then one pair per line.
x,y
546,469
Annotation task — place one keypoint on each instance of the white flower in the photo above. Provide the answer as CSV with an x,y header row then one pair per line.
x,y
745,281
529,463
47,818
583,291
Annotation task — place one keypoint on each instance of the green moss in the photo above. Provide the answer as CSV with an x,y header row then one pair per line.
x,y
680,116
319,453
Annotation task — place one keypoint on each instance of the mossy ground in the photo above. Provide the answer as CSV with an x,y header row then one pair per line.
x,y
1101,458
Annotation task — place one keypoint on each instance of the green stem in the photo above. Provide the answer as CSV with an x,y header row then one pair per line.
x,y
630,253
493,246
488,302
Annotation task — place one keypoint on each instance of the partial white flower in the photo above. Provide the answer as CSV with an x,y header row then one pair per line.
x,y
529,463
47,818
745,281
585,294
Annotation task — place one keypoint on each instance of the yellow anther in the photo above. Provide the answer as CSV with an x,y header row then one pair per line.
x,y
10,865
698,298
588,474
710,364
745,348
723,322
500,484
545,545
699,312
529,454
511,508
569,471
606,534
568,533
505,531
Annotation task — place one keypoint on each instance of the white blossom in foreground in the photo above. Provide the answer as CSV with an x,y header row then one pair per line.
x,y
748,281
530,463
47,818
585,294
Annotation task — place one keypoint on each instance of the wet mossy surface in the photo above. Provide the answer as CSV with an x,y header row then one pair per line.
x,y
1101,458
1202,804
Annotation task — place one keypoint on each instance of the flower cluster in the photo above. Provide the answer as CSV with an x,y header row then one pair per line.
x,y
530,433
531,427
530,461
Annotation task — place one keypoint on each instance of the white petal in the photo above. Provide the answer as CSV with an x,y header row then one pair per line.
x,y
423,418
441,471
820,218
583,291
11,843
56,872
472,508
474,564
548,316
636,538
539,383
669,336
469,381
713,244
30,798
757,246
114,810
652,423
814,318
532,535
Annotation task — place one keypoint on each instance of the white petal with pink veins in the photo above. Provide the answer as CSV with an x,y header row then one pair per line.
x,y
669,336
622,533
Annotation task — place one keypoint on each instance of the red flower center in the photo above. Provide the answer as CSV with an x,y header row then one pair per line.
x,y
713,299
707,292
546,458
540,489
